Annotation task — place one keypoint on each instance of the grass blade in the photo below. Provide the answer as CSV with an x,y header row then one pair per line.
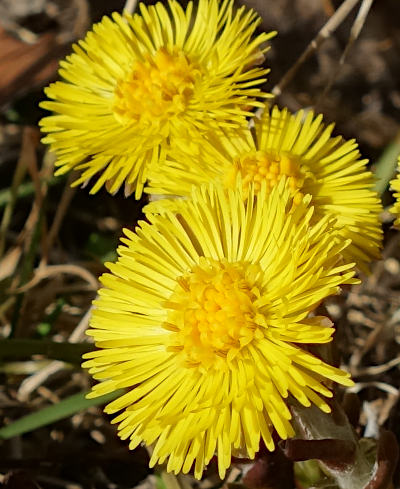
x,y
65,408
385,167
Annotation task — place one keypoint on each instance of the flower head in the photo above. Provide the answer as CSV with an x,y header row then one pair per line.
x,y
395,186
139,85
298,147
203,316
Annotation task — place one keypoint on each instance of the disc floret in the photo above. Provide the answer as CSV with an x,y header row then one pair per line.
x,y
255,167
157,88
214,313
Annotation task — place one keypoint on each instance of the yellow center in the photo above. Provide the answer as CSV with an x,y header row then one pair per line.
x,y
213,312
259,166
157,88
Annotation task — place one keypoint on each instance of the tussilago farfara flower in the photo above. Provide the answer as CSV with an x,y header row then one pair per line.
x,y
138,85
203,316
301,148
395,186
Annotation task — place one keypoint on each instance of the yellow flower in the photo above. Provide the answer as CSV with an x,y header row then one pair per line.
x,y
139,85
202,319
395,186
300,147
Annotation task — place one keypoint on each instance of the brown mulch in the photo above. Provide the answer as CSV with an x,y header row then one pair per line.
x,y
364,101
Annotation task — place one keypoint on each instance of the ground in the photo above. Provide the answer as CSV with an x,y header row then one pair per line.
x,y
54,239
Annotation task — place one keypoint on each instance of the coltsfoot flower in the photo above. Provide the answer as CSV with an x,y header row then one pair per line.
x,y
395,186
301,148
139,85
202,319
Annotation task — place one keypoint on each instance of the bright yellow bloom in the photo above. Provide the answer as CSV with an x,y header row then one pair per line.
x,y
139,85
395,186
202,320
300,147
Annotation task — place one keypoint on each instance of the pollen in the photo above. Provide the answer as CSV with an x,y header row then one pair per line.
x,y
159,87
258,166
214,311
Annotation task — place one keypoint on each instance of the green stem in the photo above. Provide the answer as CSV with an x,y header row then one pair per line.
x,y
16,349
385,167
65,408
170,480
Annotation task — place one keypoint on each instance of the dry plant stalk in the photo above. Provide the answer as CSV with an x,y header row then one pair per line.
x,y
333,23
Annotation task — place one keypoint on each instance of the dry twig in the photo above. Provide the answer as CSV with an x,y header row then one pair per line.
x,y
62,208
130,6
379,369
359,386
354,33
333,23
44,272
26,156
32,383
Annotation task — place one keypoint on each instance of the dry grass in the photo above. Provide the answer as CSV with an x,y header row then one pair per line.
x,y
54,240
